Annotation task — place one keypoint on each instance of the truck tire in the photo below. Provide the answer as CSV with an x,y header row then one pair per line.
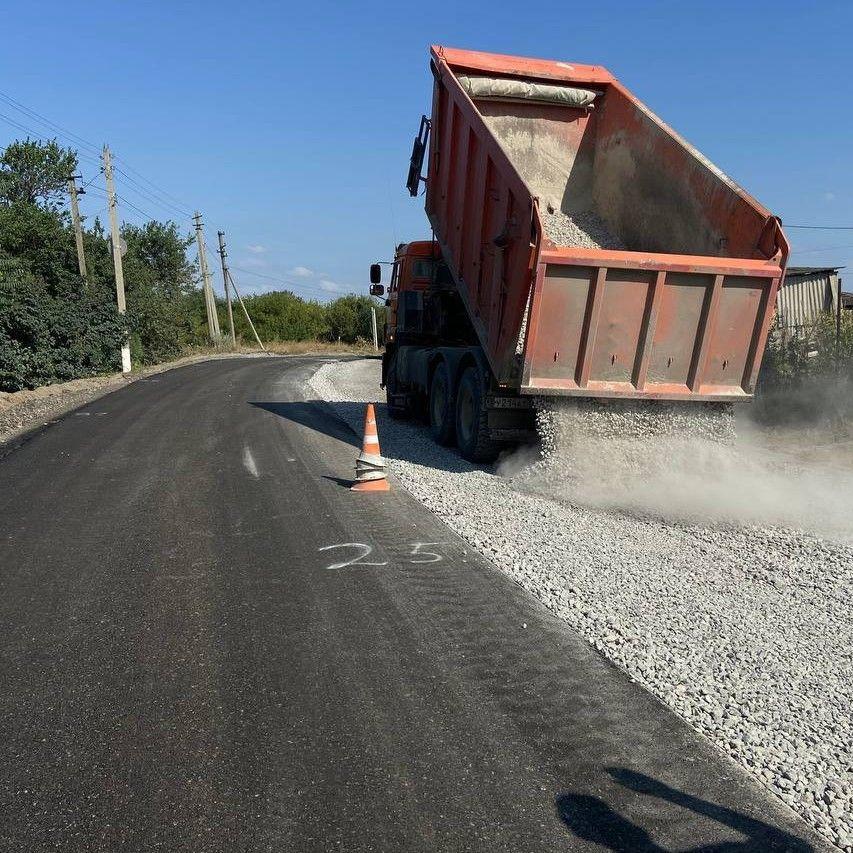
x,y
396,412
472,432
441,409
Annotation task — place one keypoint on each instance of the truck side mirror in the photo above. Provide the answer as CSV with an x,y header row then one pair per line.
x,y
375,273
377,289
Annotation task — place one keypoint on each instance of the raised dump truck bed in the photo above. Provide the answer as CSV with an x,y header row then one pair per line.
x,y
597,253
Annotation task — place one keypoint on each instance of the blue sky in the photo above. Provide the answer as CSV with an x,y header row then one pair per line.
x,y
289,126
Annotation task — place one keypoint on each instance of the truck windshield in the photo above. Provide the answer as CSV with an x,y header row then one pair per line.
x,y
423,268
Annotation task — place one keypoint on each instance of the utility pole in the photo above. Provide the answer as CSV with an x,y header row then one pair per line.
x,y
245,311
373,324
223,254
78,230
209,301
117,253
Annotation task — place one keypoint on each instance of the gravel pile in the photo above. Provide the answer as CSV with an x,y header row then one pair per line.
x,y
585,230
745,630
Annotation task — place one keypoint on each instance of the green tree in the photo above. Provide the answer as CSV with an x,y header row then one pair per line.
x,y
33,172
281,316
159,279
348,319
41,243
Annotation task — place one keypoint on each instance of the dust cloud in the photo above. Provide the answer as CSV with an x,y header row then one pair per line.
x,y
693,475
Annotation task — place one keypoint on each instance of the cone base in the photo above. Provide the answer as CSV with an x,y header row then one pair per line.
x,y
371,486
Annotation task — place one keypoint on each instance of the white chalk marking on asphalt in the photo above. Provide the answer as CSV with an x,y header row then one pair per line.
x,y
249,462
417,550
357,560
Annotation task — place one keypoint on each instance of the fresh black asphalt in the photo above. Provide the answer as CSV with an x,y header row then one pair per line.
x,y
183,670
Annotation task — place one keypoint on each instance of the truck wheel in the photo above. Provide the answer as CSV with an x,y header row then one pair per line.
x,y
396,412
441,415
472,433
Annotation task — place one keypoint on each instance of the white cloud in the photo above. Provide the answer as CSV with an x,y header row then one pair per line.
x,y
302,272
330,286
257,249
829,196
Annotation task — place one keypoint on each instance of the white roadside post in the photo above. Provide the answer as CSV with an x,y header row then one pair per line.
x,y
373,324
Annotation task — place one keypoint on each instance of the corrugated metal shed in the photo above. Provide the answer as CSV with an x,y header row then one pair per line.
x,y
807,293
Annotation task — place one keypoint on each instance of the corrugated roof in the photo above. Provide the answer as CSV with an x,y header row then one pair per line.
x,y
811,270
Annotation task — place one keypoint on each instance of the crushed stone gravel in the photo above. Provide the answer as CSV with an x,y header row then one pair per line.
x,y
584,229
743,628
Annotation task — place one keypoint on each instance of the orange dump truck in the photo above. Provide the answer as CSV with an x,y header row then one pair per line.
x,y
581,248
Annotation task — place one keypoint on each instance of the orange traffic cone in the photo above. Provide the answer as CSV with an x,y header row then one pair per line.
x,y
370,466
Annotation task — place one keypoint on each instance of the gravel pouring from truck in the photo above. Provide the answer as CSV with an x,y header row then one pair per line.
x,y
582,248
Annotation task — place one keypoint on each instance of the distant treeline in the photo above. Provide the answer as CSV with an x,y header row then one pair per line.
x,y
54,328
283,316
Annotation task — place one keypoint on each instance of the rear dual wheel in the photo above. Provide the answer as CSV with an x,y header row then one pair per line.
x,y
463,420
472,420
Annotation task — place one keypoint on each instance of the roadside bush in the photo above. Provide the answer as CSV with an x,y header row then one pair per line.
x,y
808,377
48,338
279,316
348,319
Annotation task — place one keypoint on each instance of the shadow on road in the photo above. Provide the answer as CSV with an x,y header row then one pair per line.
x,y
313,414
591,819
408,440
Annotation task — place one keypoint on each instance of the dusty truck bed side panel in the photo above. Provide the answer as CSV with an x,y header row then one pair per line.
x,y
682,312
621,324
475,201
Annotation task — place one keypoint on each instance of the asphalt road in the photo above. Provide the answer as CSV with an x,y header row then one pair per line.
x,y
193,659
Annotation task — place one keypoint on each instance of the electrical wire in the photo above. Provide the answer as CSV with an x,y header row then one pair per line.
x,y
822,227
151,197
820,249
27,130
57,128
278,280
92,180
154,186
155,195
139,210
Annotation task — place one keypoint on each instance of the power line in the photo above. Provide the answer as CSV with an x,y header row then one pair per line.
x,y
154,186
150,196
27,130
155,195
92,180
48,123
98,193
822,227
35,133
137,209
278,280
820,249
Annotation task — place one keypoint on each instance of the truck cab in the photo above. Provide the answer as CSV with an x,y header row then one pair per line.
x,y
430,346
413,271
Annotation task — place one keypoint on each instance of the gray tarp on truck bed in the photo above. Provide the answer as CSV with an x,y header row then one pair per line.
x,y
505,89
